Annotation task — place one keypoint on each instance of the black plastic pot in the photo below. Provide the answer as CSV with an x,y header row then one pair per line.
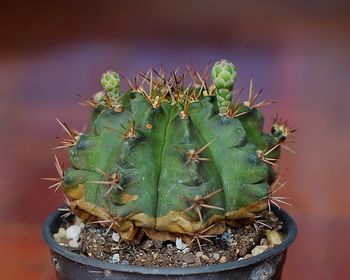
x,y
72,266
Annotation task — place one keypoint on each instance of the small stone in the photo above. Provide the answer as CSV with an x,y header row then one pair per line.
x,y
114,248
186,250
158,244
205,257
77,221
180,245
57,238
115,258
199,254
115,236
227,236
73,232
263,241
247,256
273,237
189,258
61,233
154,255
169,246
222,259
216,256
147,244
73,243
259,249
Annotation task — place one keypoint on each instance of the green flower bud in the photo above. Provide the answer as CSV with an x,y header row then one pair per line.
x,y
99,97
111,82
224,74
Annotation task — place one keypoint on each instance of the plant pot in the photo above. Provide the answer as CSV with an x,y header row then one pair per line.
x,y
72,266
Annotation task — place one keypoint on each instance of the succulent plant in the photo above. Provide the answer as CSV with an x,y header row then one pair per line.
x,y
171,160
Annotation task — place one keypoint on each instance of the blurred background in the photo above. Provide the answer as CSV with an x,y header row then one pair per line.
x,y
297,51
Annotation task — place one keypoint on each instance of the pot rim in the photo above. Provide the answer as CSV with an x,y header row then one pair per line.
x,y
289,226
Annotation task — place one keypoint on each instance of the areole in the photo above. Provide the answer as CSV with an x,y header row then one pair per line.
x,y
70,265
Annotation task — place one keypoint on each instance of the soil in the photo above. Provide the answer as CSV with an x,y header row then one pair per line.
x,y
235,244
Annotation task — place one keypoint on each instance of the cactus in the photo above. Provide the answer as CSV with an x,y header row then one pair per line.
x,y
169,160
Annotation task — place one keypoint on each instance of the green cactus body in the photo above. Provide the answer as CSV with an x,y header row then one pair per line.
x,y
150,169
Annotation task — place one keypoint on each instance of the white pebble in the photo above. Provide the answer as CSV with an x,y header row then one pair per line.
x,y
115,236
216,256
61,233
186,250
73,243
263,241
247,256
205,257
57,238
77,221
273,237
180,245
115,258
73,232
259,249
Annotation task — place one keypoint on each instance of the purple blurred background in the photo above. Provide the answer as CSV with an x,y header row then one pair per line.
x,y
297,51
